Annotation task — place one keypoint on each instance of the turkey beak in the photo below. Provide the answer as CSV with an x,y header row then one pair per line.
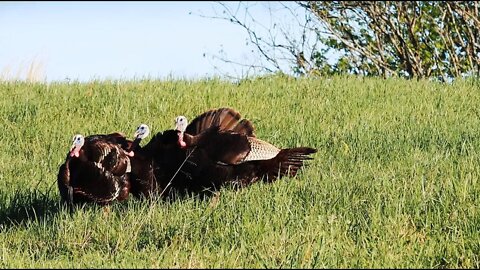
x,y
136,134
72,147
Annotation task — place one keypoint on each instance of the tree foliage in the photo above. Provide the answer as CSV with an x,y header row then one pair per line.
x,y
411,39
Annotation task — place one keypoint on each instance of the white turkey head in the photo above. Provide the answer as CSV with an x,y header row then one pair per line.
x,y
78,141
142,132
181,123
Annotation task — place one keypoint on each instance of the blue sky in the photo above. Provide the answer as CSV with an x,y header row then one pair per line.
x,y
116,40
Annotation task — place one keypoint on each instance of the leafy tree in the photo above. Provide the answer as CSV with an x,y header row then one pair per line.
x,y
414,39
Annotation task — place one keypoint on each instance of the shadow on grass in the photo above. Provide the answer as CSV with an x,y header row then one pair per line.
x,y
27,205
24,205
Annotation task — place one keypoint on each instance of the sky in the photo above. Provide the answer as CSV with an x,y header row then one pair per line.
x,y
117,40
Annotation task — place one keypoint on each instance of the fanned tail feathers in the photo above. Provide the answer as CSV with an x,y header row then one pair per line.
x,y
286,163
224,118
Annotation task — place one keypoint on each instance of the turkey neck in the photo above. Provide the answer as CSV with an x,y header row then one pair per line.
x,y
134,144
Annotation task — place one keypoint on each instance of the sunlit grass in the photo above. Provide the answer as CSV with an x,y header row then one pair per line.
x,y
394,182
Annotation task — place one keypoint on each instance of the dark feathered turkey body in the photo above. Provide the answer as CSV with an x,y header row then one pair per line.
x,y
142,177
221,149
101,172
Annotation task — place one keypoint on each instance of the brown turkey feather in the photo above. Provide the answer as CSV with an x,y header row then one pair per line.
x,y
286,163
225,118
101,172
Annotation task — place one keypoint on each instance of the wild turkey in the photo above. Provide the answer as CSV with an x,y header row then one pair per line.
x,y
226,146
231,141
220,148
96,169
213,125
142,179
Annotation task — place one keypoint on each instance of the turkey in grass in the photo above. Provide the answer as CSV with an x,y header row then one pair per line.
x,y
216,148
142,178
235,143
96,169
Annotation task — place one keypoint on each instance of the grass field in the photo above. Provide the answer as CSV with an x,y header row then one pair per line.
x,y
395,182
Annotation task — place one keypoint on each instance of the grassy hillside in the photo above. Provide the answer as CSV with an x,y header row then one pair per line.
x,y
395,182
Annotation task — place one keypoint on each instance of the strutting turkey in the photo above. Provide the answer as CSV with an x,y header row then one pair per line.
x,y
96,169
217,148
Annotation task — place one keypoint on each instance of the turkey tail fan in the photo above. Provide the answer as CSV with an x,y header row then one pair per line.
x,y
244,127
224,118
286,163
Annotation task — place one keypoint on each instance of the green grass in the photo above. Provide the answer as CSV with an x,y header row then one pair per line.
x,y
395,182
